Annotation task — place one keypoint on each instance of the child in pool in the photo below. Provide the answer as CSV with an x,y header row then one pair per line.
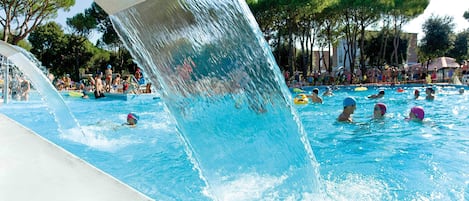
x,y
379,110
315,96
376,96
132,119
416,113
430,93
350,104
416,94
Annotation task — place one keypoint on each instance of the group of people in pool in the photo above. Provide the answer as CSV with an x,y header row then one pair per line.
x,y
416,112
350,104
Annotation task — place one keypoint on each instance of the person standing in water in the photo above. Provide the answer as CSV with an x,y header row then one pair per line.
x,y
379,110
315,96
430,93
108,77
350,104
416,94
416,114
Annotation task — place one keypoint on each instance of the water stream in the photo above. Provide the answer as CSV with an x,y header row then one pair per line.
x,y
205,55
27,63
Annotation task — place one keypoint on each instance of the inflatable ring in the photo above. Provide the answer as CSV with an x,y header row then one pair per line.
x,y
361,89
400,90
300,99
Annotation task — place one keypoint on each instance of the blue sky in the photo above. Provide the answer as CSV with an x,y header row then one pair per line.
x,y
454,8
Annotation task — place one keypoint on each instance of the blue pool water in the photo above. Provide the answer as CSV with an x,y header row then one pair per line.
x,y
389,159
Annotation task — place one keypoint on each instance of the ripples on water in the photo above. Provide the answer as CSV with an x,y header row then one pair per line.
x,y
388,159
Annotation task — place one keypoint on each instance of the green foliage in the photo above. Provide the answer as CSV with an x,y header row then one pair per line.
x,y
48,43
61,53
437,41
20,17
82,24
374,53
104,25
461,50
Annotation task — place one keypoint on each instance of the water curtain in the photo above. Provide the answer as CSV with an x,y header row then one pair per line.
x,y
216,72
29,65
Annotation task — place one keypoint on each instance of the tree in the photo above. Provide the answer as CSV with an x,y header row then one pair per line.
x,y
20,17
374,46
57,50
437,40
104,25
289,20
401,12
466,15
48,45
460,51
82,25
356,16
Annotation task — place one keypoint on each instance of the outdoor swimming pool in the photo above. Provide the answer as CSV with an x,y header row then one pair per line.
x,y
389,159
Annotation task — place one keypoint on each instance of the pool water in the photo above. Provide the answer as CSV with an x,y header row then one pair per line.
x,y
386,159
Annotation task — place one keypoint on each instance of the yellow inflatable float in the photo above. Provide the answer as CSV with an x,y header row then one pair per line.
x,y
361,89
75,93
301,99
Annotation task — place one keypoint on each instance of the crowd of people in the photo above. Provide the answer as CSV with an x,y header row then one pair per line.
x,y
18,88
101,83
371,75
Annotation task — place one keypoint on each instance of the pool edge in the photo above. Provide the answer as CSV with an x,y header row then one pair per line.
x,y
33,168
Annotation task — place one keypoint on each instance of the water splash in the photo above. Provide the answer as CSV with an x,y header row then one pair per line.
x,y
27,63
205,55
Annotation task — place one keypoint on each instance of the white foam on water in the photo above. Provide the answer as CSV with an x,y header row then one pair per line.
x,y
357,187
94,137
248,187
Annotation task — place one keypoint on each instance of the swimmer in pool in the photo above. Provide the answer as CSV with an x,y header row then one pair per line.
x,y
430,93
379,95
328,92
461,91
416,113
379,110
416,94
350,104
132,119
315,96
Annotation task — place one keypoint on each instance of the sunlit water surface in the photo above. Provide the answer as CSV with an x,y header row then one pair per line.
x,y
388,159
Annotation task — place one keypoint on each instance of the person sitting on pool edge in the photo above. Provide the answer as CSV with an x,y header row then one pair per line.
x,y
350,104
375,96
315,96
132,119
416,113
379,110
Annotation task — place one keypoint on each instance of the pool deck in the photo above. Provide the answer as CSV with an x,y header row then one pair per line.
x,y
32,168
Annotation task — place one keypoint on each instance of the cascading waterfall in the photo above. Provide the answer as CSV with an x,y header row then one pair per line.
x,y
207,54
29,66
